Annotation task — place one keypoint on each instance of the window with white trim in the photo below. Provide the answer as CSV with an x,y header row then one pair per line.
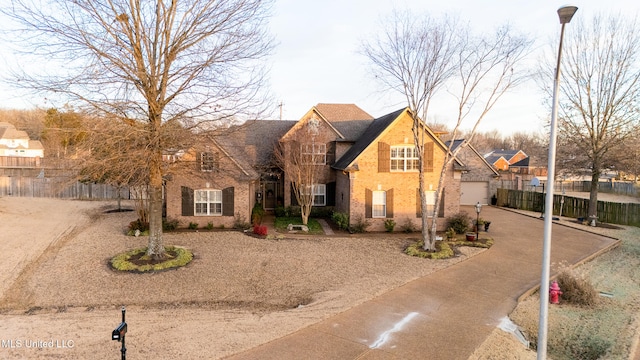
x,y
379,204
208,202
404,158
319,192
315,154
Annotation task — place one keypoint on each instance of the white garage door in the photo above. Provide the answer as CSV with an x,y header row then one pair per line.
x,y
474,192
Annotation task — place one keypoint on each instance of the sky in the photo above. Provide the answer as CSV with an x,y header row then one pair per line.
x,y
317,60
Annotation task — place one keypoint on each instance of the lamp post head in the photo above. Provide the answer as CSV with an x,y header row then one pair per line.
x,y
478,207
566,13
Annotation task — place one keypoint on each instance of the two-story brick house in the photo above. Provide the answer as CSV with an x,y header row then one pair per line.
x,y
366,167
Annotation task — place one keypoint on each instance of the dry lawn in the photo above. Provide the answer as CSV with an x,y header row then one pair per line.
x,y
239,292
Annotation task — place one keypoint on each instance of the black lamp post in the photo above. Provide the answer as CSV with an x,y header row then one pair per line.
x,y
478,208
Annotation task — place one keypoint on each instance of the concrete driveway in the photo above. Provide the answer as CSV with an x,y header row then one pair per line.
x,y
466,301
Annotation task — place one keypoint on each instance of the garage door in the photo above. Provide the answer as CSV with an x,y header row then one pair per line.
x,y
473,192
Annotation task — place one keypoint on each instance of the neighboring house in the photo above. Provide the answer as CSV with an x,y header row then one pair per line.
x,y
368,169
18,153
502,159
479,179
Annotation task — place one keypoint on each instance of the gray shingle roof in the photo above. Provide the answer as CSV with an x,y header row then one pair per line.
x,y
370,134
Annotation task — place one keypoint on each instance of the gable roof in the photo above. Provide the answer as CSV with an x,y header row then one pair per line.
x,y
263,135
370,134
342,112
457,143
522,163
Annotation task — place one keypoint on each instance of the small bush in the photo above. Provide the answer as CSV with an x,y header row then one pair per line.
x,y
360,225
260,229
280,211
257,213
407,226
209,225
170,224
341,219
321,211
576,288
389,224
459,222
240,223
450,234
138,225
193,225
293,211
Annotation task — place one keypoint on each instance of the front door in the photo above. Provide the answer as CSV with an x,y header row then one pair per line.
x,y
270,195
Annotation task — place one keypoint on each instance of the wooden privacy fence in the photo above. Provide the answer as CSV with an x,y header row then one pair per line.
x,y
59,188
608,212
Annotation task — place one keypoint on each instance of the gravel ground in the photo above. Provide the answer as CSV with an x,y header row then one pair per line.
x,y
61,299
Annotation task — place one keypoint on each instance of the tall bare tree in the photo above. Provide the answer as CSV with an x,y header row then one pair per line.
x,y
302,156
149,64
600,94
419,56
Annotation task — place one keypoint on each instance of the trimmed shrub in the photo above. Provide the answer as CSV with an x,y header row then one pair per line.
x,y
459,222
341,219
389,224
257,213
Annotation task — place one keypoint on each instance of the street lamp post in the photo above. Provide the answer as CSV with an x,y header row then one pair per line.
x,y
478,208
565,14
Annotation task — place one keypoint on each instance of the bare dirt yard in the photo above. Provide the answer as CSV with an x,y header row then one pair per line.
x,y
60,299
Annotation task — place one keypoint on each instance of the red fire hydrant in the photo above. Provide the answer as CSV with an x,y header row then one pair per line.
x,y
554,293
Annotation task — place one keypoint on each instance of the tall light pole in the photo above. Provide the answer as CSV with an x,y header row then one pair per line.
x,y
565,13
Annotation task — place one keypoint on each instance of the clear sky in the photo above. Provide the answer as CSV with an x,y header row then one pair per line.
x,y
317,60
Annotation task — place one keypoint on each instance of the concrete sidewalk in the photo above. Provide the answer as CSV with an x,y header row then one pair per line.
x,y
466,301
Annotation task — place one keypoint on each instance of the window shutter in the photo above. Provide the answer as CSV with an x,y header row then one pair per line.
x,y
368,203
427,159
390,203
331,152
331,194
384,157
418,204
187,201
441,207
227,202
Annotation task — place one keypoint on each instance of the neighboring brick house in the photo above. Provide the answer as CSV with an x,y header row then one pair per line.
x,y
368,169
502,159
480,180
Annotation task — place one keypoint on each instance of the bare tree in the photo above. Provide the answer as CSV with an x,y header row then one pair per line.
x,y
302,156
150,64
418,56
600,94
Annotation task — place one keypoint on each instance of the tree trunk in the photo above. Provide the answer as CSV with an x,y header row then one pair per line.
x,y
156,245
